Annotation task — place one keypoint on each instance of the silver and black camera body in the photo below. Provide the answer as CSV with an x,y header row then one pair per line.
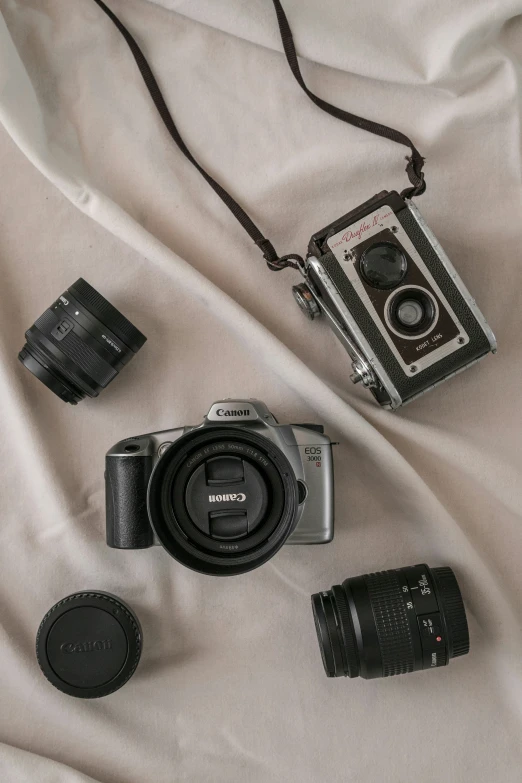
x,y
223,496
394,299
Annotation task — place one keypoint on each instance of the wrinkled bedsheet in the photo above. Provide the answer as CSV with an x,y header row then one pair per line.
x,y
231,686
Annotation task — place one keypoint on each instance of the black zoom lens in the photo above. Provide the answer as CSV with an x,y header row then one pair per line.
x,y
391,622
79,344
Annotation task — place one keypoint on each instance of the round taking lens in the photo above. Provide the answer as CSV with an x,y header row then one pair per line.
x,y
410,312
383,265
79,344
391,622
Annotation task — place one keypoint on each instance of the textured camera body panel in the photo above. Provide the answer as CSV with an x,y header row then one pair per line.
x,y
126,482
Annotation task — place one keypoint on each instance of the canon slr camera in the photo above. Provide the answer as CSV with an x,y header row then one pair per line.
x,y
222,497
393,298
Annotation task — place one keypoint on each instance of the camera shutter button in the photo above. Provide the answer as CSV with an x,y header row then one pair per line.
x,y
163,448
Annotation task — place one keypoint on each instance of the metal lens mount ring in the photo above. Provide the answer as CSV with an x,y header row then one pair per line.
x,y
427,302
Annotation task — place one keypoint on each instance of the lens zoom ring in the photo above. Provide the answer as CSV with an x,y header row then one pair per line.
x,y
393,629
454,611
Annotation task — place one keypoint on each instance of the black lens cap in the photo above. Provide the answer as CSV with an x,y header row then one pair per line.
x,y
89,644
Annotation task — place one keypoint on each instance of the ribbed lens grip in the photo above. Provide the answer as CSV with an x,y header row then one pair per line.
x,y
78,351
46,322
454,611
112,318
393,630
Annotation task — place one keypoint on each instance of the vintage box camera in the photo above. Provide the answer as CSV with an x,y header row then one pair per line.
x,y
223,496
394,299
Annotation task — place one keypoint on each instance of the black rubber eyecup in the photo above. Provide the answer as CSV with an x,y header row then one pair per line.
x,y
89,644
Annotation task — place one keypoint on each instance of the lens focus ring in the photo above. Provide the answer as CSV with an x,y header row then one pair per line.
x,y
454,611
391,621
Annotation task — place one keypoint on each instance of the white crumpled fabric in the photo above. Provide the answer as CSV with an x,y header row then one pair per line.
x,y
231,686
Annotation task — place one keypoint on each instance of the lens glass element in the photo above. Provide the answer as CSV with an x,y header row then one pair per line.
x,y
383,265
391,622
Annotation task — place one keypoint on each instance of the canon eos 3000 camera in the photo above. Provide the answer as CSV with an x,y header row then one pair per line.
x,y
222,497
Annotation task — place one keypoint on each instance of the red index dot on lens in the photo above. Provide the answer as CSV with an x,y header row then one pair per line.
x,y
439,638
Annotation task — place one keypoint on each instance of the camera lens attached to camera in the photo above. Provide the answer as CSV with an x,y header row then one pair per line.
x,y
222,500
411,312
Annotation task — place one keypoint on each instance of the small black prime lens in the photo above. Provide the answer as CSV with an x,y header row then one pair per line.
x,y
391,622
222,500
79,344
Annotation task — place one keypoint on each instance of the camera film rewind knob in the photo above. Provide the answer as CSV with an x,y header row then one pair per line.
x,y
306,301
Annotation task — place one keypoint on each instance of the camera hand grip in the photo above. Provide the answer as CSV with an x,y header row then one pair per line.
x,y
127,521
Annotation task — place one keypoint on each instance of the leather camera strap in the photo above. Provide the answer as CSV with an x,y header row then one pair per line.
x,y
273,260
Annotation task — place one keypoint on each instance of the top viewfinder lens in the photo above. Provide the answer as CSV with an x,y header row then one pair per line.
x,y
383,265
